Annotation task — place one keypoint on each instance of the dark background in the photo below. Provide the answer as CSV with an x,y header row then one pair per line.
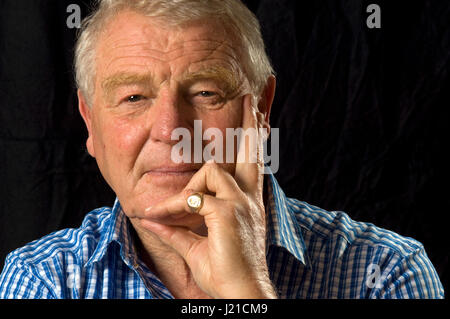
x,y
362,114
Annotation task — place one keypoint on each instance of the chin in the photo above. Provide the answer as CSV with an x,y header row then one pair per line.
x,y
149,194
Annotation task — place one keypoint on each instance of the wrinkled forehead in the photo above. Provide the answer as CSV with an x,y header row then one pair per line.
x,y
129,34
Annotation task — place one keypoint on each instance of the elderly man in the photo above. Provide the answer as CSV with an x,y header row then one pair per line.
x,y
199,229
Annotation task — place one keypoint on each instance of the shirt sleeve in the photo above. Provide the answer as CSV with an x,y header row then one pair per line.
x,y
413,277
17,281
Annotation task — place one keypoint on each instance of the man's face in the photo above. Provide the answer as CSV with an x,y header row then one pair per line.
x,y
149,81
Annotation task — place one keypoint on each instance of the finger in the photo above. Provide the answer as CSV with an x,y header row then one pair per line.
x,y
213,179
179,238
177,206
249,163
171,206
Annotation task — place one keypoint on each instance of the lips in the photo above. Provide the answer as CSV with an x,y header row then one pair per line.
x,y
178,170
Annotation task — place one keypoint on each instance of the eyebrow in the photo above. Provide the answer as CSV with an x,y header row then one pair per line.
x,y
124,78
223,76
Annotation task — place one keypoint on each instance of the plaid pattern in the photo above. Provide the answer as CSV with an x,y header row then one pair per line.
x,y
311,253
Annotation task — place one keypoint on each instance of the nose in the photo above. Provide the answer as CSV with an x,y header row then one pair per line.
x,y
166,116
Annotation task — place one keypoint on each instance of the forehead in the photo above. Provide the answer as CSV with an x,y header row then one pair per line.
x,y
131,40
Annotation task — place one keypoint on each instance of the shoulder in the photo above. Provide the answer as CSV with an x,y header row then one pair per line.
x,y
69,240
324,225
41,264
384,263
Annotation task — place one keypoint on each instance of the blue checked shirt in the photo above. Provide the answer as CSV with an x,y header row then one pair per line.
x,y
311,253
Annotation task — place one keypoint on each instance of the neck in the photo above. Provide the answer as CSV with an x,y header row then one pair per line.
x,y
165,263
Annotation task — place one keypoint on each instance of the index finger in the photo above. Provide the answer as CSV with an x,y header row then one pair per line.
x,y
249,161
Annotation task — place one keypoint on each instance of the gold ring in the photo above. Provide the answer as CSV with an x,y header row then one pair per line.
x,y
195,202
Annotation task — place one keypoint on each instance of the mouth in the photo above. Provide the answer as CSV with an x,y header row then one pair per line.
x,y
179,170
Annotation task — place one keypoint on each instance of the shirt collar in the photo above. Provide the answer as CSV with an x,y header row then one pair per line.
x,y
283,228
282,225
117,229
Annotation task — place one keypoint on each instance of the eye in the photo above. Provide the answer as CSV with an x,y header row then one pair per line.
x,y
207,93
206,99
134,98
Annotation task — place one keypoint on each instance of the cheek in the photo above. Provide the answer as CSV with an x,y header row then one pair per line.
x,y
230,117
221,120
119,141
125,137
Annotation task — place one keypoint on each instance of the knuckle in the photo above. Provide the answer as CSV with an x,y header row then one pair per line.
x,y
187,192
232,211
211,164
244,202
236,210
231,207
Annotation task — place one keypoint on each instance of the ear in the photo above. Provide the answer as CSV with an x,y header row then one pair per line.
x,y
265,102
86,114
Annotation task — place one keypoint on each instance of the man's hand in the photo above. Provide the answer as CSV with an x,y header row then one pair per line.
x,y
230,262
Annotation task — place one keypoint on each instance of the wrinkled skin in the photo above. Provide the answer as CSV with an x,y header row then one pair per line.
x,y
150,80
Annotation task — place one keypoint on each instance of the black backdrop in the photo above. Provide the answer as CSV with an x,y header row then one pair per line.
x,y
362,114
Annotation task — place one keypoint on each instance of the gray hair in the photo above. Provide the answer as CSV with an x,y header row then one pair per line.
x,y
233,13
